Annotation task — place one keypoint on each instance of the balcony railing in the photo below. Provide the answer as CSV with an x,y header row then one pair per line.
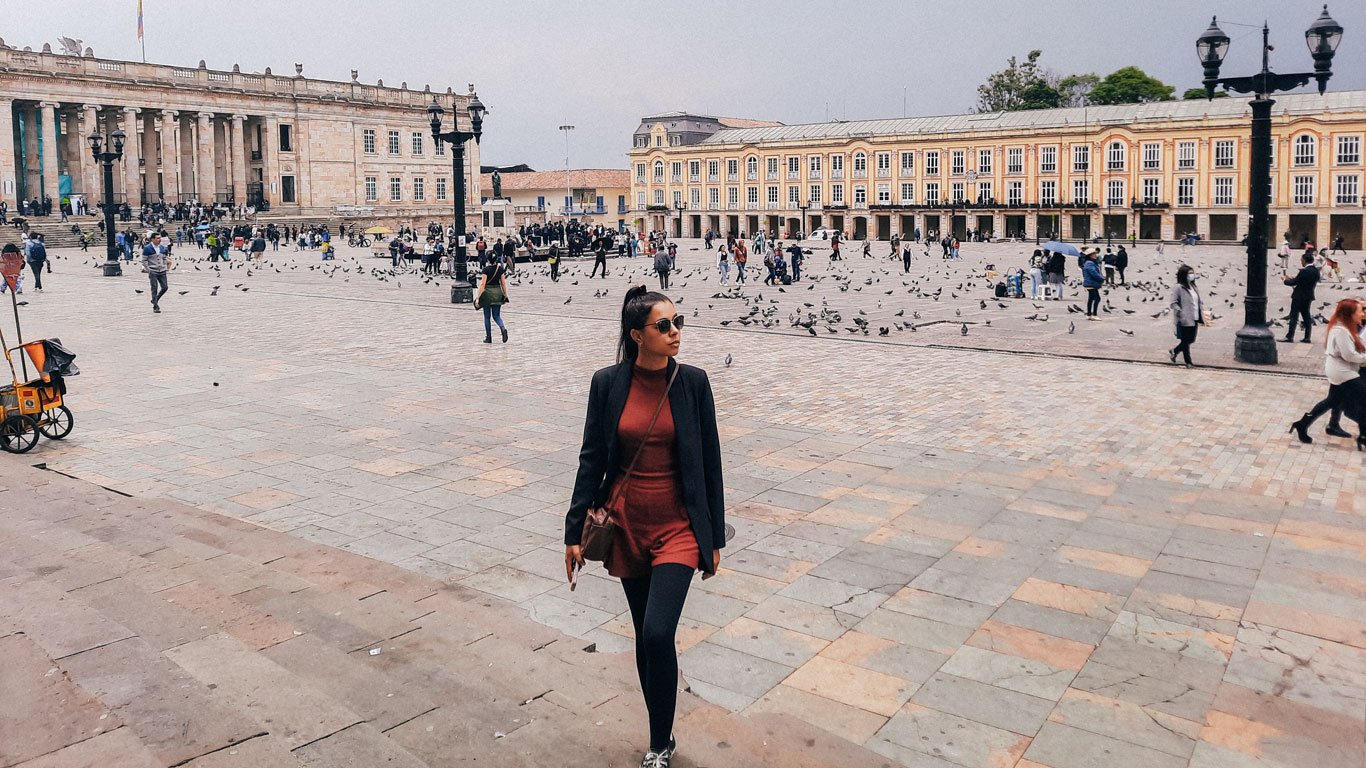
x,y
694,178
771,176
794,175
814,174
751,176
884,173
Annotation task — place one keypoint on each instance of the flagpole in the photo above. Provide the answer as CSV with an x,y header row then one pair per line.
x,y
141,39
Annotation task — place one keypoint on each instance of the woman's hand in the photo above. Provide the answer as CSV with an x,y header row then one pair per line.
x,y
573,558
715,564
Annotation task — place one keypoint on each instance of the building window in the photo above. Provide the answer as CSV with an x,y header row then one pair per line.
x,y
813,167
957,162
1048,192
371,188
1152,191
958,192
713,170
1081,157
659,142
695,197
772,196
794,168
984,161
678,198
1305,150
694,170
713,198
907,193
860,195
1048,159
367,141
287,189
771,168
1303,193
441,188
752,196
837,194
1349,150
815,194
1223,153
640,200
675,141
1185,191
732,170
1014,193
676,171
419,189
395,189
440,148
1185,155
1223,190
984,191
286,137
1015,160
884,194
1116,156
659,194
907,163
732,197
884,164
1081,191
932,193
794,196
752,168
860,165
1152,156
1114,193
640,172
417,143
1348,189
932,163
394,146
659,171
837,166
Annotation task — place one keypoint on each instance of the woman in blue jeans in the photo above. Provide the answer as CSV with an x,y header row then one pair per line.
x,y
491,296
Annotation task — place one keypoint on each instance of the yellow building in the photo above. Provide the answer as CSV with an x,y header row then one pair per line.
x,y
595,196
1161,170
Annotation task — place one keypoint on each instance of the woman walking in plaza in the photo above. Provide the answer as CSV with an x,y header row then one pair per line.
x,y
491,295
651,458
1187,313
1092,280
722,263
1344,354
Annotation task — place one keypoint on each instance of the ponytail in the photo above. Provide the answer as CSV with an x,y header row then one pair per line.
x,y
635,309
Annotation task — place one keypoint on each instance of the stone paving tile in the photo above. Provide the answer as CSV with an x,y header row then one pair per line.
x,y
116,747
960,741
855,686
1015,673
983,703
1062,746
43,712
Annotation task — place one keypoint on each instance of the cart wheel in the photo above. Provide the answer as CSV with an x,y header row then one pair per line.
x,y
56,423
18,434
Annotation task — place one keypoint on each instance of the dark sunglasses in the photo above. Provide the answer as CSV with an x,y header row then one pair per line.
x,y
662,324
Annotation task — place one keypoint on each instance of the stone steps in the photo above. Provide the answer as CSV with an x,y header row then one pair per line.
x,y
144,632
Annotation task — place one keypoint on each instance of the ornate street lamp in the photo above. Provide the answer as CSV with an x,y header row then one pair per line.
x,y
680,207
802,224
107,157
461,290
1254,342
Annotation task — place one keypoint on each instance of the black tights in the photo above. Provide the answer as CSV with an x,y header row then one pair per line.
x,y
656,603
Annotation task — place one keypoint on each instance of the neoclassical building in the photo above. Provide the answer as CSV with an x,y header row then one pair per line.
x,y
1162,170
308,147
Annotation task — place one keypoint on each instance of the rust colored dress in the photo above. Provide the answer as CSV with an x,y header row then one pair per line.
x,y
653,523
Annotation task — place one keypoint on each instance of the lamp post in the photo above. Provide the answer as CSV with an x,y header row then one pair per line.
x,y
680,206
107,157
461,290
568,193
1254,342
802,223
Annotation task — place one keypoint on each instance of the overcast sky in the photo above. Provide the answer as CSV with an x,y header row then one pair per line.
x,y
602,65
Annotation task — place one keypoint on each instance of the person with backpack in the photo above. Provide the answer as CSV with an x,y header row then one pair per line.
x,y
553,259
771,264
36,258
1057,269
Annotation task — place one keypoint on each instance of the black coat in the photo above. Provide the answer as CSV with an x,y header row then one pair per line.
x,y
1303,284
696,443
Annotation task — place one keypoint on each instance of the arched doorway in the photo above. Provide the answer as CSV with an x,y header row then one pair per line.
x,y
860,228
793,225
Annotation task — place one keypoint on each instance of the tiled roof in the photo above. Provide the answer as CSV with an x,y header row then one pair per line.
x,y
745,122
582,178
1029,120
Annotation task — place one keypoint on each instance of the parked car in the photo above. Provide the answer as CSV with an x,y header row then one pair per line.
x,y
821,233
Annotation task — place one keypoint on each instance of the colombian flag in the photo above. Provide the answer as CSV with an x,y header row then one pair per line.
x,y
139,19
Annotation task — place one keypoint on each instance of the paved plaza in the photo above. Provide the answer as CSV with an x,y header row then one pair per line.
x,y
1036,544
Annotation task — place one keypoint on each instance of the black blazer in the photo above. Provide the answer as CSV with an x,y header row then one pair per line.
x,y
697,445
1303,283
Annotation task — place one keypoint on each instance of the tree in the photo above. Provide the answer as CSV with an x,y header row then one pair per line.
x,y
1039,95
1195,94
1075,90
1004,91
1131,85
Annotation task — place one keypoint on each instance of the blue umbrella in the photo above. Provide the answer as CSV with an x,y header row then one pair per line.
x,y
1063,248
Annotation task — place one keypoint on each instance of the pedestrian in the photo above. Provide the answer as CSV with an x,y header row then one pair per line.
x,y
1344,354
662,265
1121,263
667,506
1037,262
1337,245
896,245
395,252
1284,255
155,262
741,259
490,297
1109,262
771,264
36,258
1302,296
722,263
1187,313
553,259
599,260
258,247
867,249
796,256
1057,272
905,258
1092,280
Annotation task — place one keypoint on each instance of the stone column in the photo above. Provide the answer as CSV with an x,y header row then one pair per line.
x,y
170,155
270,162
132,156
91,185
239,159
204,171
32,166
149,152
8,165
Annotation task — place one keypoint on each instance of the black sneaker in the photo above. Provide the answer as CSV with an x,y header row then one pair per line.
x,y
660,759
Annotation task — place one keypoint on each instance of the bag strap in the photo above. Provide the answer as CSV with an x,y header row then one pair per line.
x,y
648,431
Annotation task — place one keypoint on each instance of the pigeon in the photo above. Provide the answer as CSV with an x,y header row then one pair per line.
x,y
965,329
728,361
571,298
1071,327
1126,332
182,293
